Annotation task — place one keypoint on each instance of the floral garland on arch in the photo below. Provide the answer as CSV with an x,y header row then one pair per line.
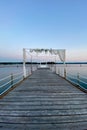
x,y
59,52
39,50
51,51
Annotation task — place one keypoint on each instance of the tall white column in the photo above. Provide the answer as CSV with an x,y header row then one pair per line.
x,y
24,61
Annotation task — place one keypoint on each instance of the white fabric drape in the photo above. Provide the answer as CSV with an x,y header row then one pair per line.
x,y
53,52
62,55
59,52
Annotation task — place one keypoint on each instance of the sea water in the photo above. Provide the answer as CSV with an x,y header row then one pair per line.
x,y
74,69
71,69
11,75
6,70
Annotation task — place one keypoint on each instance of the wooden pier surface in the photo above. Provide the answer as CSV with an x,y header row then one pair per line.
x,y
44,101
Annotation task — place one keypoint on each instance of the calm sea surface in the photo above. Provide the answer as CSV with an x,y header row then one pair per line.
x,y
6,70
74,69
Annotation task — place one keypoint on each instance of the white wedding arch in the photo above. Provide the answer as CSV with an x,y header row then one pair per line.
x,y
43,52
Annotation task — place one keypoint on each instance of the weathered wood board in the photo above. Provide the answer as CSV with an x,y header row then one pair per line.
x,y
44,101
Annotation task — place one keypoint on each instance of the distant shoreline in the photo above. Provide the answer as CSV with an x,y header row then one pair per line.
x,y
13,63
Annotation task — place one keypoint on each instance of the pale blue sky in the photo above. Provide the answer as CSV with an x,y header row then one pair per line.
x,y
58,24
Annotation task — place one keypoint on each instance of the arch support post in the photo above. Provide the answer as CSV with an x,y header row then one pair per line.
x,y
24,61
64,70
31,65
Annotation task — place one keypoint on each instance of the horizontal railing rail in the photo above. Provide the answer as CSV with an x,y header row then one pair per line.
x,y
9,81
4,78
77,79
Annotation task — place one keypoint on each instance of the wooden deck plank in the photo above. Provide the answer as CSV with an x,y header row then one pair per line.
x,y
44,112
70,126
44,101
43,119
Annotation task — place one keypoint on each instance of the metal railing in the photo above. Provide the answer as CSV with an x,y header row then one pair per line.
x,y
9,81
77,79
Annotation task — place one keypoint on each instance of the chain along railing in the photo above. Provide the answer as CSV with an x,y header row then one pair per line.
x,y
77,79
12,79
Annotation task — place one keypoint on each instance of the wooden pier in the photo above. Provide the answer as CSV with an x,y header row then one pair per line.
x,y
44,101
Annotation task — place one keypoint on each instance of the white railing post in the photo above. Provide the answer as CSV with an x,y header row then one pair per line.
x,y
65,73
64,70
24,61
31,65
78,78
11,79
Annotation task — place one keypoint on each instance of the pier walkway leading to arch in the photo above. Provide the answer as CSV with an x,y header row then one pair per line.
x,y
44,101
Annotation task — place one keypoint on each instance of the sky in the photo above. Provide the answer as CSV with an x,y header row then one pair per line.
x,y
57,24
